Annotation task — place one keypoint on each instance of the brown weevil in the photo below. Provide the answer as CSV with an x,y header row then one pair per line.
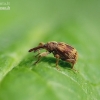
x,y
60,50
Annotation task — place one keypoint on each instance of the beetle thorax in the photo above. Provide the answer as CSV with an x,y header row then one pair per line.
x,y
51,46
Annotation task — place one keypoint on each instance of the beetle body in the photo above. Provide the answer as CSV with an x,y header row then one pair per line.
x,y
60,50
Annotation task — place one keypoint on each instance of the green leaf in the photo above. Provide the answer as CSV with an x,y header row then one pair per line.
x,y
27,24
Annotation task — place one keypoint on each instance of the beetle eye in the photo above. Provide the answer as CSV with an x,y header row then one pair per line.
x,y
53,43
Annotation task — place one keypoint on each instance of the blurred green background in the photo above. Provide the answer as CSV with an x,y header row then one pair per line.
x,y
27,23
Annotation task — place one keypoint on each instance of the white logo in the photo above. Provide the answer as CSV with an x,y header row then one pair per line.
x,y
4,5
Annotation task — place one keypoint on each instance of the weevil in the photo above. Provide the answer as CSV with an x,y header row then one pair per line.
x,y
60,50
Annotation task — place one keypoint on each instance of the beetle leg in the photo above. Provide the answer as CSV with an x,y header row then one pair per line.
x,y
41,55
38,53
72,61
57,60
